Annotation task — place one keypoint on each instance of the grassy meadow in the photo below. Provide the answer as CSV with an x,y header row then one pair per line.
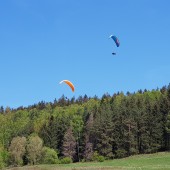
x,y
157,161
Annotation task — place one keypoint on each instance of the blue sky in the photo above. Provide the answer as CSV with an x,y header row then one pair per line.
x,y
44,42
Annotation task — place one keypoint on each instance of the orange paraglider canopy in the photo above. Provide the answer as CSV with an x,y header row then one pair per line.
x,y
68,83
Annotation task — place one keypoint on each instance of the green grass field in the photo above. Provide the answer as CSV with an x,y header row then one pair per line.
x,y
157,161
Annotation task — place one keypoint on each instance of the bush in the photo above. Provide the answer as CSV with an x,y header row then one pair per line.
x,y
66,160
100,158
97,157
120,153
133,151
49,156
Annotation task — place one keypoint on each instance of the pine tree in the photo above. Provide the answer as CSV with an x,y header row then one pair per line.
x,y
141,119
88,145
49,135
129,125
167,128
88,149
69,144
103,129
154,127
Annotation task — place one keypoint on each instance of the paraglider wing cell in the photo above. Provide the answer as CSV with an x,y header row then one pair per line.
x,y
68,83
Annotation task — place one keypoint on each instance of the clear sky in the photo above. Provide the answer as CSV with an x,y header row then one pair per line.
x,y
43,42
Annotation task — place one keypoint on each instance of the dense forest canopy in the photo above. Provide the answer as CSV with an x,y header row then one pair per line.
x,y
86,128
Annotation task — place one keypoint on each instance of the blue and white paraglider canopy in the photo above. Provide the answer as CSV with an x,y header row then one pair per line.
x,y
116,41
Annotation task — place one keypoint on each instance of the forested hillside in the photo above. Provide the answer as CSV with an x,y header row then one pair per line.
x,y
85,129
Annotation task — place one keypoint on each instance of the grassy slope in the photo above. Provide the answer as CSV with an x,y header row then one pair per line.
x,y
157,161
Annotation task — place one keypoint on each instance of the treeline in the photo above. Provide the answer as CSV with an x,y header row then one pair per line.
x,y
86,129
